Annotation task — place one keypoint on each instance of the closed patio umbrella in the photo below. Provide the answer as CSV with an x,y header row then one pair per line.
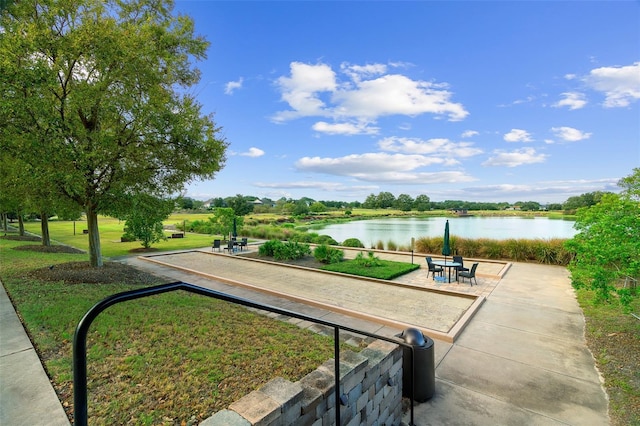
x,y
446,247
235,227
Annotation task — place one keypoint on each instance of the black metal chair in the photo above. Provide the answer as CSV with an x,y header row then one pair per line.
x,y
470,274
230,247
433,269
461,268
217,244
243,243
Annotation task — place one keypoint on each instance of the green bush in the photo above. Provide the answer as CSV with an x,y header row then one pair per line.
x,y
368,261
269,248
352,242
392,246
325,239
291,250
326,254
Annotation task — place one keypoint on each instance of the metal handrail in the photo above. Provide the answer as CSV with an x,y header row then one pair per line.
x,y
82,329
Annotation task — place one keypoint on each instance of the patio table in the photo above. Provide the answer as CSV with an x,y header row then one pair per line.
x,y
448,265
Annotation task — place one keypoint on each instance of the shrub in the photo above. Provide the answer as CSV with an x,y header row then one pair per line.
x,y
325,239
269,248
326,254
352,242
380,245
391,246
368,261
291,250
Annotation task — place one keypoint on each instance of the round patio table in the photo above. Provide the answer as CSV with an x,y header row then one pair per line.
x,y
448,265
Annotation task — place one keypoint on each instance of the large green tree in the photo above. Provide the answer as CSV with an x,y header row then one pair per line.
x,y
607,246
96,93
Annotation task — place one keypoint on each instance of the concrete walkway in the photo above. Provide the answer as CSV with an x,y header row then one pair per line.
x,y
522,359
26,395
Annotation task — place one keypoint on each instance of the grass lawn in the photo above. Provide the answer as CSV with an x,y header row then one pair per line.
x,y
614,339
384,270
110,232
174,358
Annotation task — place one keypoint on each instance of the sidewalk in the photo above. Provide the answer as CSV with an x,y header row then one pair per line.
x,y
26,395
522,359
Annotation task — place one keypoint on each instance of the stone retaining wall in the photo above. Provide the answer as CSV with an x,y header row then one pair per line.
x,y
370,381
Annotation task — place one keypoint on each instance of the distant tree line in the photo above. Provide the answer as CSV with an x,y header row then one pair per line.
x,y
243,205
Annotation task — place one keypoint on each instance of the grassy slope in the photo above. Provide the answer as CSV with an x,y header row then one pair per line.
x,y
173,358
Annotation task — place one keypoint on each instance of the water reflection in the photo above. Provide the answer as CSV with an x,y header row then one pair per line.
x,y
401,230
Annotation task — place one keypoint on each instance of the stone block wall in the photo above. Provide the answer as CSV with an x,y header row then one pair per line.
x,y
370,385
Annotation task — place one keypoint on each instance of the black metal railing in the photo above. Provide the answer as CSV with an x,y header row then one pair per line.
x,y
80,339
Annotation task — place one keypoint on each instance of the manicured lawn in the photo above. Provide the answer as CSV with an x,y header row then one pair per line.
x,y
386,270
169,359
110,232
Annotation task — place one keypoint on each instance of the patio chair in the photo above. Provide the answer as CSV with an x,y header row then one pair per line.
x,y
470,274
461,268
433,268
230,247
243,243
217,244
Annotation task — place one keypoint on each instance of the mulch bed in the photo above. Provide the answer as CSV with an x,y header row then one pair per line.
x,y
83,272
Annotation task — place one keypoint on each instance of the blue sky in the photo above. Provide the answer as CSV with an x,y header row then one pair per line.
x,y
478,101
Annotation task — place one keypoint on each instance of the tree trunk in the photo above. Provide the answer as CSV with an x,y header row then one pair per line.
x,y
44,229
5,225
20,225
95,253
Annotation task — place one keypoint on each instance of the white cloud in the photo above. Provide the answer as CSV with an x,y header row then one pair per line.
x,y
360,128
301,90
324,186
620,85
549,190
232,86
397,95
518,135
515,158
570,134
253,152
469,133
383,168
357,72
366,94
438,146
368,163
573,100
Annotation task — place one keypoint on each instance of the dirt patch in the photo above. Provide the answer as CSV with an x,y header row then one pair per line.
x,y
49,249
143,250
83,272
21,237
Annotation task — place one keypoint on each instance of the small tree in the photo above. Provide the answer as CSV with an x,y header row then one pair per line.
x,y
143,222
318,207
607,247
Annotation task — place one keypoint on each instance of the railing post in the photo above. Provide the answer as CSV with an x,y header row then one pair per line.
x,y
336,367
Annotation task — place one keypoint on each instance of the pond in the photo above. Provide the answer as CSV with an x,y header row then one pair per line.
x,y
401,230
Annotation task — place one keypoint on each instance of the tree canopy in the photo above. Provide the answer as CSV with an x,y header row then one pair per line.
x,y
607,246
95,94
